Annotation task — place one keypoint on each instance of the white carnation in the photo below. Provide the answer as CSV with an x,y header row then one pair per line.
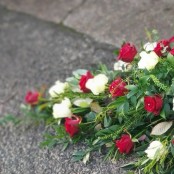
x,y
58,88
62,109
155,150
97,84
148,60
149,46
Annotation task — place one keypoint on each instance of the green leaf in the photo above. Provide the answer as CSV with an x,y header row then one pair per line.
x,y
131,93
116,51
172,150
78,155
143,80
126,107
129,166
133,100
90,116
170,58
9,118
140,101
132,87
108,130
107,121
79,72
65,146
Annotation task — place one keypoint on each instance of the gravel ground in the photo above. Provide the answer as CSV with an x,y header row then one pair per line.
x,y
33,53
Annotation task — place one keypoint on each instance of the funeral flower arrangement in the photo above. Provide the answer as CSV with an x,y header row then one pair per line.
x,y
127,110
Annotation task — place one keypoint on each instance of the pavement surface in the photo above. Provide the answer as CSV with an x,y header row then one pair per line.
x,y
108,21
42,41
32,53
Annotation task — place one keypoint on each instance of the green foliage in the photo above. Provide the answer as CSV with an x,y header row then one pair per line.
x,y
108,117
9,118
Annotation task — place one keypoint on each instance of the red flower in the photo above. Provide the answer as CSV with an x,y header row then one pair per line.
x,y
117,87
32,98
71,125
127,53
125,144
83,80
171,40
162,46
172,51
153,104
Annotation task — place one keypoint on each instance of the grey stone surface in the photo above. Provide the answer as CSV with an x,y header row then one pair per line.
x,y
109,21
32,53
52,10
114,21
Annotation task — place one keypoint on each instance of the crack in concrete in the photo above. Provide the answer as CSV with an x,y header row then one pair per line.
x,y
72,10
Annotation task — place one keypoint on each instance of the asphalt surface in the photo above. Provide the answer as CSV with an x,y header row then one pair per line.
x,y
32,53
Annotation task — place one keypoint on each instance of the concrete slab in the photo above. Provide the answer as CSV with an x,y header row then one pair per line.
x,y
114,21
107,21
33,53
52,10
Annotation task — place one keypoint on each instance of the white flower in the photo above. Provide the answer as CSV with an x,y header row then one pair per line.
x,y
97,84
149,46
62,109
58,88
83,103
155,150
122,66
148,60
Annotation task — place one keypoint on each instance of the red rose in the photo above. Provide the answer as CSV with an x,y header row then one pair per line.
x,y
172,51
127,53
125,144
117,87
161,47
153,104
172,141
32,98
83,80
71,125
171,40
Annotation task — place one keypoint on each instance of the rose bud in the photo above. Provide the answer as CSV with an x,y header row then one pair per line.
x,y
117,88
32,97
153,104
172,51
125,144
83,80
161,47
127,53
71,125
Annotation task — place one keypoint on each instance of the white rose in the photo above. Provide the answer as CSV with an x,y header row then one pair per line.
x,y
83,103
97,84
149,46
155,150
62,109
148,60
121,66
58,88
66,102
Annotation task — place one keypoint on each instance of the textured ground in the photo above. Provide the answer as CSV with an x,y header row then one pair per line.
x,y
32,53
109,21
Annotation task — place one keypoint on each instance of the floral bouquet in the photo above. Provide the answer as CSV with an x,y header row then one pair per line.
x,y
127,110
